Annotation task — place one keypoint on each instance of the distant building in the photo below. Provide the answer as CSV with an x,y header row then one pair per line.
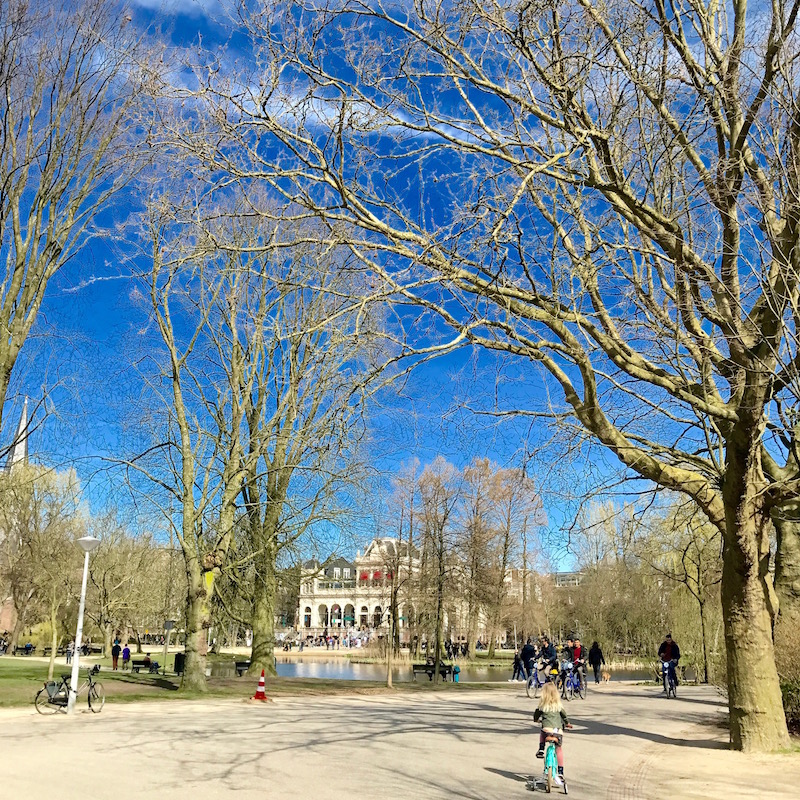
x,y
355,594
567,579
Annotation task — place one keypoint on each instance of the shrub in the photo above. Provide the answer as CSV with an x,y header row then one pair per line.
x,y
791,704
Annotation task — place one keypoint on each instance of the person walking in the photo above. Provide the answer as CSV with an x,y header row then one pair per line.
x,y
126,657
596,660
115,651
70,651
518,671
527,656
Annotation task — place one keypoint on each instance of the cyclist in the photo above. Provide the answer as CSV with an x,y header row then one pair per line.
x,y
670,653
554,719
548,655
579,659
527,656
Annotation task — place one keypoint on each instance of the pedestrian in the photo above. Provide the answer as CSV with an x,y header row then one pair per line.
x,y
596,660
115,651
126,657
70,651
527,656
518,671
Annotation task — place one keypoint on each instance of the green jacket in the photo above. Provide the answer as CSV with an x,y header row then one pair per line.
x,y
551,719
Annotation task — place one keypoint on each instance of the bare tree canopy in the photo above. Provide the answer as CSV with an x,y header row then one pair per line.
x,y
607,190
71,75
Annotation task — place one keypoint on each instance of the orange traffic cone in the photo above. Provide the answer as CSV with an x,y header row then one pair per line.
x,y
260,695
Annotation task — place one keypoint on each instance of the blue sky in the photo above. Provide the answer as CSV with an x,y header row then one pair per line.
x,y
93,330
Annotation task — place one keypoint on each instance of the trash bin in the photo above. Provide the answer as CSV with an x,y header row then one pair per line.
x,y
179,659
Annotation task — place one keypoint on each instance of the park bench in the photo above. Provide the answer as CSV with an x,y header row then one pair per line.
x,y
242,667
59,651
137,664
445,670
23,651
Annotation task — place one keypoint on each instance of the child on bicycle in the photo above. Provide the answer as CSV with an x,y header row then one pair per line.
x,y
554,720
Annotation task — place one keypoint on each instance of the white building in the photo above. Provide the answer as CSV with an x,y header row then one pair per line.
x,y
356,594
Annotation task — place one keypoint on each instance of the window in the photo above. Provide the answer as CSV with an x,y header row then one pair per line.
x,y
337,572
346,573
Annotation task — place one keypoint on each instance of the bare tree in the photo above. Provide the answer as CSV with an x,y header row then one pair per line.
x,y
616,200
41,516
686,550
439,491
309,354
71,75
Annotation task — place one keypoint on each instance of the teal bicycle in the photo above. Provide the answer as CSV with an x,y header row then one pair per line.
x,y
550,778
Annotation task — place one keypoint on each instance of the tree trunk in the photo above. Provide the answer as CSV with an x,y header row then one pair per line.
x,y
200,585
390,650
757,721
53,637
262,654
702,605
107,639
19,624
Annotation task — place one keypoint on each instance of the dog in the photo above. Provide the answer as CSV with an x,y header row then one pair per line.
x,y
606,676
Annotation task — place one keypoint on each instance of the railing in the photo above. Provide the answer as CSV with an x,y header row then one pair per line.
x,y
336,585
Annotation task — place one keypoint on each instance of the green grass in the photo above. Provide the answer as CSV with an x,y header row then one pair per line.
x,y
21,679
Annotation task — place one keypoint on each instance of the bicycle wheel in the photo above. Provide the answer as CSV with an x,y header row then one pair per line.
x,y
582,690
530,687
673,687
569,690
97,698
43,704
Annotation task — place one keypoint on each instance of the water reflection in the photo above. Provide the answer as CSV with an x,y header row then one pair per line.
x,y
342,669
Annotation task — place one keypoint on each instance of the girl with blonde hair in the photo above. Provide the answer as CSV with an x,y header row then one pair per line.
x,y
554,720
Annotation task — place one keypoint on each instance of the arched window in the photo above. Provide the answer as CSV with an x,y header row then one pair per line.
x,y
307,617
323,616
364,617
377,617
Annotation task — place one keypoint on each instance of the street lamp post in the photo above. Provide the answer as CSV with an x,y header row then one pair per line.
x,y
87,544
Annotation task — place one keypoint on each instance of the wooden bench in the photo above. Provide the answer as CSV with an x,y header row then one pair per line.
x,y
137,664
444,670
24,651
61,651
242,667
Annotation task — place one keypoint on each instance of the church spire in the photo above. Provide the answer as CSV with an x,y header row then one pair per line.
x,y
19,449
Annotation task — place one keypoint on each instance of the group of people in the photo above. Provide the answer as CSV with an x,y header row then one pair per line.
x,y
545,651
550,711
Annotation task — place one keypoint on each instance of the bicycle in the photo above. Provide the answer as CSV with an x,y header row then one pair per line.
x,y
668,679
535,682
571,682
54,695
550,777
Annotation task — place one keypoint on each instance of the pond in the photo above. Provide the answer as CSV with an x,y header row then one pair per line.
x,y
342,669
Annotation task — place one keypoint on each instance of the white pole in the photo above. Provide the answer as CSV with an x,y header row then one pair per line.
x,y
73,684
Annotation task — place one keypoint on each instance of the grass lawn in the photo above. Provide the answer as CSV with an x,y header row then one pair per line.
x,y
21,678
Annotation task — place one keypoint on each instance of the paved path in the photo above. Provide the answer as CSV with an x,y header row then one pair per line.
x,y
629,742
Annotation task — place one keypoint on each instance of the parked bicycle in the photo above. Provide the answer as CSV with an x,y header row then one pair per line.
x,y
54,695
572,683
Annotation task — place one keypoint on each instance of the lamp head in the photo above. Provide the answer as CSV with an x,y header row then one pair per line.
x,y
88,543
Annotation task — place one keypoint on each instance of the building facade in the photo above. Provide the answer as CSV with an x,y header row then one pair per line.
x,y
343,595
